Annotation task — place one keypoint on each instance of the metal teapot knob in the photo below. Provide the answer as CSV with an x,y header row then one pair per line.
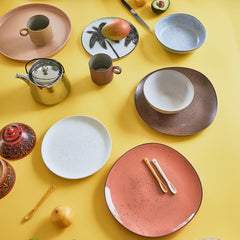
x,y
45,70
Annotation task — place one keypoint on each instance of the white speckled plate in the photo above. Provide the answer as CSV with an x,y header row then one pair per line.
x,y
76,147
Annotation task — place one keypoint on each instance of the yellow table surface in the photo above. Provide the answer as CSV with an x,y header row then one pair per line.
x,y
214,152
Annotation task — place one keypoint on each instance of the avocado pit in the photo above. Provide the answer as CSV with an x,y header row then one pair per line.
x,y
159,6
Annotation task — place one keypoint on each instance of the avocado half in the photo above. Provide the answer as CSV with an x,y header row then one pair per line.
x,y
159,6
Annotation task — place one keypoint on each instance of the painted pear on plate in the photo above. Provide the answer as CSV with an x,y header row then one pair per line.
x,y
116,29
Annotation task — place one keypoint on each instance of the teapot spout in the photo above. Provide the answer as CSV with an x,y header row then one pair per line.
x,y
23,77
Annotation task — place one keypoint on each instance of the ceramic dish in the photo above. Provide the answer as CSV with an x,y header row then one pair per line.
x,y
168,91
180,33
193,119
16,47
94,42
17,140
136,200
7,178
76,147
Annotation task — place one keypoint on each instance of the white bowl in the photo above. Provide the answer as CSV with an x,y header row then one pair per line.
x,y
168,91
180,33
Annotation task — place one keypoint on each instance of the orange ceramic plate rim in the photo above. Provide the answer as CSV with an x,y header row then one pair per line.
x,y
122,185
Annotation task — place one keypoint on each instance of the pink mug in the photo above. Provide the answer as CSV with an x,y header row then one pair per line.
x,y
39,29
102,69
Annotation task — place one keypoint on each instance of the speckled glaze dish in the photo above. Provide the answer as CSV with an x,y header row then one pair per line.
x,y
193,119
76,147
16,47
168,91
7,178
17,140
135,199
180,33
94,42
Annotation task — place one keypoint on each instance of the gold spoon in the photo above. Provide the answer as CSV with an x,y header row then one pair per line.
x,y
47,194
161,184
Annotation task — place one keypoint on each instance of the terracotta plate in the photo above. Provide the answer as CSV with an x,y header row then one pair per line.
x,y
94,42
196,117
76,147
136,200
16,47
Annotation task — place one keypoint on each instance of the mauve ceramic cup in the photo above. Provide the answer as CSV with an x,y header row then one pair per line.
x,y
39,29
102,69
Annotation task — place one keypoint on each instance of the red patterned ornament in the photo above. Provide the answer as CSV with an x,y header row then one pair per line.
x,y
7,178
16,141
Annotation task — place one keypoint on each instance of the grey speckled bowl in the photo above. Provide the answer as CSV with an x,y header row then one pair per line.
x,y
180,33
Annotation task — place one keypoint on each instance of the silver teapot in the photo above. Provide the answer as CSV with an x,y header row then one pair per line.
x,y
47,80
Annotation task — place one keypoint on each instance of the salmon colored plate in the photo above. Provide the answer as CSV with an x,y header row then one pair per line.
x,y
20,48
136,200
193,119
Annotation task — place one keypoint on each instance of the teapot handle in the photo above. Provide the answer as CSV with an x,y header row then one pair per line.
x,y
35,59
26,65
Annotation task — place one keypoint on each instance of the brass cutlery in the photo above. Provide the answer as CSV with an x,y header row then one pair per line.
x,y
170,185
161,184
47,194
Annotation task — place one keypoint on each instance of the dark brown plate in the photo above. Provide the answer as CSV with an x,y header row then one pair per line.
x,y
196,117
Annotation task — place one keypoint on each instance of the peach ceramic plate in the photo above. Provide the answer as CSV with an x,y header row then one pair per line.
x,y
94,42
20,48
76,147
135,199
193,119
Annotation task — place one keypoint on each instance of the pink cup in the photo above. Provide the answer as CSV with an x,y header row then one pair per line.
x,y
39,30
102,69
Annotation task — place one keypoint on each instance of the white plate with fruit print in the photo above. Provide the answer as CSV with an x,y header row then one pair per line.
x,y
94,42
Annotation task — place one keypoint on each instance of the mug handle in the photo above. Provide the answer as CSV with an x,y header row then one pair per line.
x,y
116,69
24,32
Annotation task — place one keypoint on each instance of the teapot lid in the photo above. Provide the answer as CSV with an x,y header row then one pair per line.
x,y
45,72
16,141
